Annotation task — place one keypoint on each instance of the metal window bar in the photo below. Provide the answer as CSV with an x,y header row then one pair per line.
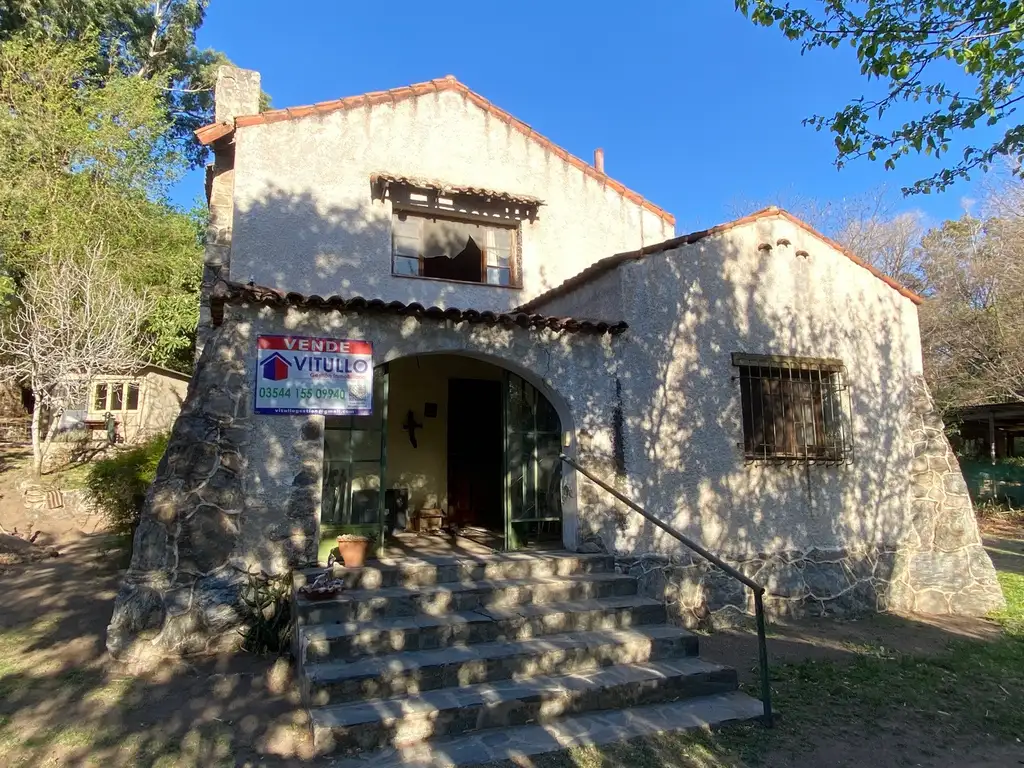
x,y
799,412
757,589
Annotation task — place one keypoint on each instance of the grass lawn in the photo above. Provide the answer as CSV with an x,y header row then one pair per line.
x,y
964,706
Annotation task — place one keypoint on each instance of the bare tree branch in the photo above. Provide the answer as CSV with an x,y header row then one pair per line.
x,y
76,320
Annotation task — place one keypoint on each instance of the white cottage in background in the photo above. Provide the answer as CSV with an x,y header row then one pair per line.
x,y
753,385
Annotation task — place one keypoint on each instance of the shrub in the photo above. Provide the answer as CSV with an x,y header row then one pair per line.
x,y
268,626
118,484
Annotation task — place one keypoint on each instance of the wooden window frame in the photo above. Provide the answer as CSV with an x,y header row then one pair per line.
x,y
111,387
794,409
512,227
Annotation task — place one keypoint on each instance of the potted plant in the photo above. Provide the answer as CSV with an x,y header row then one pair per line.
x,y
352,548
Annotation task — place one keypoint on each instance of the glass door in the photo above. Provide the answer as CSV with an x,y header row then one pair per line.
x,y
533,471
355,451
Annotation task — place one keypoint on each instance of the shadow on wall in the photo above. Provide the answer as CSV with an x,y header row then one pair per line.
x,y
667,381
671,379
820,538
344,251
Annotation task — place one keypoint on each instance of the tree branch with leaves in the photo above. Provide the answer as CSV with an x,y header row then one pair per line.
x,y
913,47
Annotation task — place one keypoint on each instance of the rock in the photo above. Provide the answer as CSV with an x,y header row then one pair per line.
x,y
591,546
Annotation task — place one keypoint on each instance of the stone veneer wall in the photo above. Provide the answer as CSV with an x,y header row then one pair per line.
x,y
939,566
182,591
799,584
237,92
942,566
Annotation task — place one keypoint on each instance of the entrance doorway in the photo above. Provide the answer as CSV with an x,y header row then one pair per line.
x,y
475,459
457,448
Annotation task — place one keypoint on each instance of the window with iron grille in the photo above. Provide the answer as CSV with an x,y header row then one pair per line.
x,y
794,409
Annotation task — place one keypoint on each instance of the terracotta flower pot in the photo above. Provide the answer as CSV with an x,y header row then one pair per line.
x,y
353,550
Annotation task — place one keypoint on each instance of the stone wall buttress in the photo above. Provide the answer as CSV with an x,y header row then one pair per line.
x,y
942,566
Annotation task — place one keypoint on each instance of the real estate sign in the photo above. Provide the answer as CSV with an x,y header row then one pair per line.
x,y
299,374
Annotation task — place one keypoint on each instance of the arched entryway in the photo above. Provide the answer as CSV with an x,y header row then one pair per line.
x,y
457,444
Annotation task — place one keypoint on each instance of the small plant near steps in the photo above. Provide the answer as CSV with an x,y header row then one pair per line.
x,y
472,659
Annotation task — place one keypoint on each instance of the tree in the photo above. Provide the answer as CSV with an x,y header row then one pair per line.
x,y
972,326
75,319
921,50
144,39
889,243
83,160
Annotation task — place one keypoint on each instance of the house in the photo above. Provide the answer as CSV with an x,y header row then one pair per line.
x,y
143,404
459,302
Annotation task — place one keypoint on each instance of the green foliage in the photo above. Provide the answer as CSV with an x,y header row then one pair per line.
x,y
118,485
911,46
84,161
268,626
142,39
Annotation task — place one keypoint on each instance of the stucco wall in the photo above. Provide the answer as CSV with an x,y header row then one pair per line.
x,y
304,219
688,310
161,401
597,298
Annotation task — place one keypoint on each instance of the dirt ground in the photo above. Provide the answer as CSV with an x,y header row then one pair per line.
x,y
64,702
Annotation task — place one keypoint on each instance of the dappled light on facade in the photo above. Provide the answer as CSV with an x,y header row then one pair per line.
x,y
538,381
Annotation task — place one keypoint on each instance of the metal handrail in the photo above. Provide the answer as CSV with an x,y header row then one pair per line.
x,y
757,589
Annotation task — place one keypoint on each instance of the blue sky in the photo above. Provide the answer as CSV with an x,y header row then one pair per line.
x,y
696,108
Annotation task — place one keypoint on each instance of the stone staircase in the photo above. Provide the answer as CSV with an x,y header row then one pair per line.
x,y
467,659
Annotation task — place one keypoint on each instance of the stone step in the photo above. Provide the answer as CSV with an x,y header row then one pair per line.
x,y
592,728
419,572
412,672
352,640
439,599
451,711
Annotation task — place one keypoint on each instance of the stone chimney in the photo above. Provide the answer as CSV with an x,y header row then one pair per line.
x,y
236,93
599,160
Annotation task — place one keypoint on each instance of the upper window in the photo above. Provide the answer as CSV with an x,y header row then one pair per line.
x,y
794,408
448,232
425,245
116,396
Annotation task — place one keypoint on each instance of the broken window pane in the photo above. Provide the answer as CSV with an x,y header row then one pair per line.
x,y
450,249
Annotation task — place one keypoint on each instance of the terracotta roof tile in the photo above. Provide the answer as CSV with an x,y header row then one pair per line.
x,y
447,83
210,133
609,263
225,292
